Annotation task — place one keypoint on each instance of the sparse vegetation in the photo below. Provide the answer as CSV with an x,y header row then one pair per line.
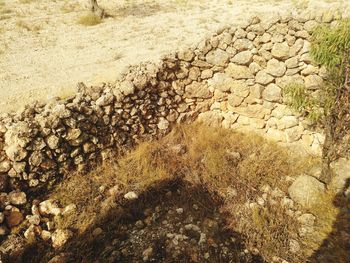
x,y
89,19
217,159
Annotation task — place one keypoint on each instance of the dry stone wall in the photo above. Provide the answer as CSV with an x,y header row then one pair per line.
x,y
234,78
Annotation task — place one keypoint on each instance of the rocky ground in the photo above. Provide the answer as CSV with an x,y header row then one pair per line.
x,y
173,223
245,218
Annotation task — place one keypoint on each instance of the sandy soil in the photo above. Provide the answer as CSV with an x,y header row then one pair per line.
x,y
44,52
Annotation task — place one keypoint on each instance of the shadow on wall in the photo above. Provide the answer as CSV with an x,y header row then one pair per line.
x,y
336,247
173,222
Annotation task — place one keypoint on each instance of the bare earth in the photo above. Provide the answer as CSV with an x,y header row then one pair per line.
x,y
44,52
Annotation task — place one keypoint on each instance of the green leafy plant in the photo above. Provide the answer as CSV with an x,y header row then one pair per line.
x,y
330,47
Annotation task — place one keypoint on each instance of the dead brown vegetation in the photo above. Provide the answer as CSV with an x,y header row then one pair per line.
x,y
217,159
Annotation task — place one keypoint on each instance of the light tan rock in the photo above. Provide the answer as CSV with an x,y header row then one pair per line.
x,y
206,74
254,67
243,44
292,62
211,118
276,68
186,55
280,50
239,72
220,81
262,77
217,57
60,237
306,191
197,90
272,93
276,135
234,100
287,122
240,89
243,58
313,82
253,111
309,70
293,134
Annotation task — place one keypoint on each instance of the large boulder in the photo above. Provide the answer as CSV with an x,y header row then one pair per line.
x,y
306,190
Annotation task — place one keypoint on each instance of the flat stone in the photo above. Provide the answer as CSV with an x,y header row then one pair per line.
x,y
313,82
234,100
276,68
243,44
253,111
287,122
280,50
126,87
240,88
211,118
272,93
186,55
239,72
292,62
220,81
217,57
197,90
306,191
243,58
262,77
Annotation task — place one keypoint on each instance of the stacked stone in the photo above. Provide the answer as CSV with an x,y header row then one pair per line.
x,y
234,79
47,141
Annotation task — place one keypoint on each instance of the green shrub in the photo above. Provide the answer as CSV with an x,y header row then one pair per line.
x,y
330,47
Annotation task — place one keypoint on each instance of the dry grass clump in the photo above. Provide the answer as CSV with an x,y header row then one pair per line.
x,y
220,160
89,19
215,157
85,191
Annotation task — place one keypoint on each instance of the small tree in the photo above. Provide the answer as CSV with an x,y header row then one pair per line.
x,y
330,47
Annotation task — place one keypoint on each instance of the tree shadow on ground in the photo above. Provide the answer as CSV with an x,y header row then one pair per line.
x,y
336,247
152,228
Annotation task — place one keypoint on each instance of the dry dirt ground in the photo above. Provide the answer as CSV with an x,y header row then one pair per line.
x,y
44,51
